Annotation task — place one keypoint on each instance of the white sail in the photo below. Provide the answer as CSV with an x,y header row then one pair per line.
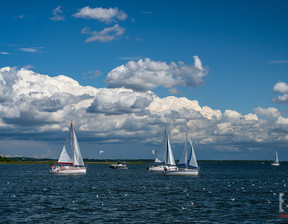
x,y
78,160
157,160
160,157
183,158
188,157
64,157
165,154
170,157
192,160
276,157
71,153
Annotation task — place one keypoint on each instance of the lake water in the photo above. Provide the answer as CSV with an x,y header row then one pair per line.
x,y
222,193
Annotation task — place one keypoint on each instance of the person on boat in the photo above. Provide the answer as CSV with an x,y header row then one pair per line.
x,y
52,166
148,167
165,169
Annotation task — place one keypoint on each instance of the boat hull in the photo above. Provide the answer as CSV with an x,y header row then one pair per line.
x,y
68,170
161,168
117,166
182,172
275,164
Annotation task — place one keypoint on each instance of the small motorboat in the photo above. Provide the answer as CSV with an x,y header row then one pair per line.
x,y
118,165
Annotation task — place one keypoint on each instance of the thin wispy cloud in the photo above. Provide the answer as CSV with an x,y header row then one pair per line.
x,y
91,74
31,49
28,67
106,15
21,16
4,53
130,58
278,62
147,12
57,14
105,35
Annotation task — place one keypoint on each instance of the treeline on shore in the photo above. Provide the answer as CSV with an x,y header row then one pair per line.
x,y
28,160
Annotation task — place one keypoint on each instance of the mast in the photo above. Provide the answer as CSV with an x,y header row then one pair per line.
x,y
186,151
167,147
73,143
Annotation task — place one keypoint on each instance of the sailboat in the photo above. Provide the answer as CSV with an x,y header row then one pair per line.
x,y
188,160
164,157
70,160
276,162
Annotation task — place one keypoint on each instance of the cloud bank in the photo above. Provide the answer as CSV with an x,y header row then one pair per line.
x,y
35,106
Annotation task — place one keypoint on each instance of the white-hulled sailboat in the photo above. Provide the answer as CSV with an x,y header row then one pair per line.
x,y
70,160
276,162
188,160
164,157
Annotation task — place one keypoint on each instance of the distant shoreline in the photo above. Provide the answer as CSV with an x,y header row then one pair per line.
x,y
20,160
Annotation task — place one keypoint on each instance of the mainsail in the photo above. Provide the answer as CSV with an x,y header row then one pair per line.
x,y
276,157
165,154
188,157
160,157
170,158
192,160
78,160
71,151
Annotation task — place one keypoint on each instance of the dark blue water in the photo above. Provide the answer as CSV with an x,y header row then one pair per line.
x,y
223,193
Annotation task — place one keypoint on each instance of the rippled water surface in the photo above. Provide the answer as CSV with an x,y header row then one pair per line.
x,y
223,193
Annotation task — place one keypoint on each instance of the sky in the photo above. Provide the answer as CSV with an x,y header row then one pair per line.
x,y
124,71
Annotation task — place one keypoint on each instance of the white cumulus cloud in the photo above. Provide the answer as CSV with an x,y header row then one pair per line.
x,y
146,74
281,87
270,112
120,101
104,15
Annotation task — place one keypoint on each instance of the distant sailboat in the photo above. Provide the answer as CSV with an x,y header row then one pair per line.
x,y
276,162
70,160
188,160
164,157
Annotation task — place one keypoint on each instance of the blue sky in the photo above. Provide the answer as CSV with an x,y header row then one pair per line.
x,y
231,57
